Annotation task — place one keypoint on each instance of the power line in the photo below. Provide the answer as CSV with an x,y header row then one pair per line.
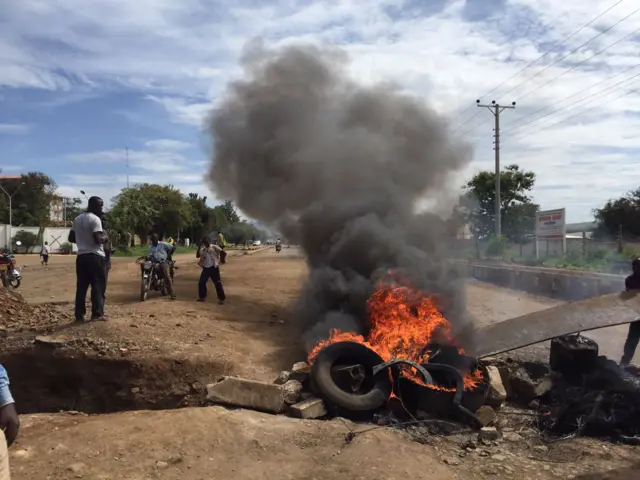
x,y
567,55
579,113
583,62
540,58
574,103
575,94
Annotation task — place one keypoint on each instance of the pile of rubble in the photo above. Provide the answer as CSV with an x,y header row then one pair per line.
x,y
577,393
290,393
16,315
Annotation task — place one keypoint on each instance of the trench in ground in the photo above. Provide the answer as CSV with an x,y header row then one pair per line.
x,y
44,382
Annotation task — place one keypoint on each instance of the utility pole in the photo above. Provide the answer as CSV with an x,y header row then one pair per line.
x,y
10,206
497,109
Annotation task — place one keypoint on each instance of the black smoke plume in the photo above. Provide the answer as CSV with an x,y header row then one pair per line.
x,y
338,168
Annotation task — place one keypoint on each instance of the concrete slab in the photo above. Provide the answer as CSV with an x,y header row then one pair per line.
x,y
572,317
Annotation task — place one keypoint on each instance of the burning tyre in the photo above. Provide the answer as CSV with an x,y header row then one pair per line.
x,y
343,375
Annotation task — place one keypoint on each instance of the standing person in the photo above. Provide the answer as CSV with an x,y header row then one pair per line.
x,y
91,269
44,254
108,250
9,423
221,241
160,251
209,258
632,282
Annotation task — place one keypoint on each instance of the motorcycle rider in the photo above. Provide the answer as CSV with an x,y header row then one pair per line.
x,y
9,422
160,251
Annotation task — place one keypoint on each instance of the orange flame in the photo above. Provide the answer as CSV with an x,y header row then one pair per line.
x,y
403,320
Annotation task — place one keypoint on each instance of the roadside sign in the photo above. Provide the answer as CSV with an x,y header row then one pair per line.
x,y
551,224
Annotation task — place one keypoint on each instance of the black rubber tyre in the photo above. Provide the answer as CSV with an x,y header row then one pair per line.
x,y
144,289
375,391
14,282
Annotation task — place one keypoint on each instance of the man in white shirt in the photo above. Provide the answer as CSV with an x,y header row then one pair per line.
x,y
91,264
209,258
45,254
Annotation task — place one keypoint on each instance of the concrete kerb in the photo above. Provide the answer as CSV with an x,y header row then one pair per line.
x,y
561,284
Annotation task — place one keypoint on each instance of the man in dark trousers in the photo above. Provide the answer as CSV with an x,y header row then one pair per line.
x,y
209,258
632,282
91,268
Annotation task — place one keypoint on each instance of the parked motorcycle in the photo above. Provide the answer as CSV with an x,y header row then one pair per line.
x,y
151,277
9,272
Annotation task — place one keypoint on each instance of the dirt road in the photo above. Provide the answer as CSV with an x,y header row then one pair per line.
x,y
159,355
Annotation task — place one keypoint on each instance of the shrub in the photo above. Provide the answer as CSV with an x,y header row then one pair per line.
x,y
66,248
27,239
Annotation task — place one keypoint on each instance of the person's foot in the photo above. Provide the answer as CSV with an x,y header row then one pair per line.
x,y
99,318
201,300
79,320
173,297
220,302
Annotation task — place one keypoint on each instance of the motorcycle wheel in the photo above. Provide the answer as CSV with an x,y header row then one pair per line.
x,y
144,288
15,282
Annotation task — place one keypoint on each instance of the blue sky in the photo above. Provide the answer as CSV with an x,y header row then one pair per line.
x,y
81,81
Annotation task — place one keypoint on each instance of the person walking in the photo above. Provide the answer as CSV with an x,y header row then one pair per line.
x,y
9,423
209,258
632,282
44,254
91,269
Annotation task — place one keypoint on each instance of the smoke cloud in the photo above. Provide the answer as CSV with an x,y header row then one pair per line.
x,y
338,168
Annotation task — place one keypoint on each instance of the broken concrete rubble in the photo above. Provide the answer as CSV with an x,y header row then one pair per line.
x,y
488,434
291,391
309,409
283,377
240,392
486,415
497,391
299,372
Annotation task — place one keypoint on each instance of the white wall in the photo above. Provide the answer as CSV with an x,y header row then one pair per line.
x,y
56,236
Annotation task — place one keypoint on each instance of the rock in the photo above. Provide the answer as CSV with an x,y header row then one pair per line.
x,y
135,390
541,448
283,377
498,458
240,392
300,372
76,467
161,465
51,342
488,434
310,408
497,391
486,415
524,388
512,437
451,461
544,386
291,391
175,459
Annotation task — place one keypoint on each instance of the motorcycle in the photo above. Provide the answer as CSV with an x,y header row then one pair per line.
x,y
9,272
278,248
151,277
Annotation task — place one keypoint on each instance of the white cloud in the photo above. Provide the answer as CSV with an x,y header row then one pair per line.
x,y
166,144
14,128
181,56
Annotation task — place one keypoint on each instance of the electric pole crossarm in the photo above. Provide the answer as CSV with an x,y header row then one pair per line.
x,y
496,109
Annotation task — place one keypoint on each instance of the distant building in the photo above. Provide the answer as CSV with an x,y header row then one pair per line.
x,y
56,210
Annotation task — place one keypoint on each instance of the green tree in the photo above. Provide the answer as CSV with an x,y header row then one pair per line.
x,y
517,209
149,208
230,212
72,208
31,200
27,240
620,216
